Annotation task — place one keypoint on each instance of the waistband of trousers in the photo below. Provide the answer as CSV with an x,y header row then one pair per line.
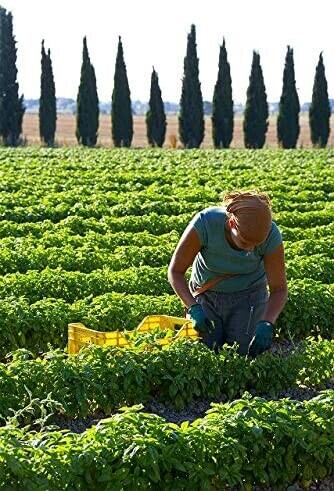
x,y
238,293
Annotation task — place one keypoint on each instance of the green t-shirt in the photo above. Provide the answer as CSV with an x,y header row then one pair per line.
x,y
217,256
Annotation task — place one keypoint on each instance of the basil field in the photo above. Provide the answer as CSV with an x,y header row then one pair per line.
x,y
86,236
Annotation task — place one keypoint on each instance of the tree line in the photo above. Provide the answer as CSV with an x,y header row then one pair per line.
x,y
191,114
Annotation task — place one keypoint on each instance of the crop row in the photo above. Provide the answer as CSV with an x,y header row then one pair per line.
x,y
87,195
73,285
21,255
63,236
321,216
61,211
182,372
153,224
246,442
85,259
56,213
309,247
152,166
51,194
309,311
93,240
58,207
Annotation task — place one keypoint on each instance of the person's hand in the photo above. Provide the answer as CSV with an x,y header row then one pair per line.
x,y
262,339
200,321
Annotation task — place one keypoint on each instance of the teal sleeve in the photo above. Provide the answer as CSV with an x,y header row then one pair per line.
x,y
198,222
274,239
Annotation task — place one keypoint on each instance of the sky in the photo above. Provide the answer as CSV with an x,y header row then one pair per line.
x,y
154,33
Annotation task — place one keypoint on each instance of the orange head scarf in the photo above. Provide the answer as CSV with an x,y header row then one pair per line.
x,y
252,214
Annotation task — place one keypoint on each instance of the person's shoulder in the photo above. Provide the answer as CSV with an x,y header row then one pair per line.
x,y
214,212
207,221
273,240
274,231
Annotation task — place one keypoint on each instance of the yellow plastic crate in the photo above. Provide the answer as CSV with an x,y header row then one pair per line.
x,y
79,335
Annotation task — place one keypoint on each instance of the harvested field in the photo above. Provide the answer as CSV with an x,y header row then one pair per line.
x,y
66,131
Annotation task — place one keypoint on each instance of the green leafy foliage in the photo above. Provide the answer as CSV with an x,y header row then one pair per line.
x,y
177,374
94,247
247,442
86,236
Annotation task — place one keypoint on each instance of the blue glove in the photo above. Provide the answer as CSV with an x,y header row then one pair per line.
x,y
200,321
262,339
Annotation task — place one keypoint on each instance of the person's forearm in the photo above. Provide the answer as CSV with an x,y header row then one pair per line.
x,y
179,284
275,305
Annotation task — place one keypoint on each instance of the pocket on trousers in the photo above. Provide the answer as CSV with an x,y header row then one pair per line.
x,y
250,318
258,298
257,304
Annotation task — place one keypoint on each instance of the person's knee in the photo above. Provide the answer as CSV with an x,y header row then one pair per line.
x,y
215,339
243,348
211,344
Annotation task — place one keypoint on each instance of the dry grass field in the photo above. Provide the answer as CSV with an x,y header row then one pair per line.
x,y
65,135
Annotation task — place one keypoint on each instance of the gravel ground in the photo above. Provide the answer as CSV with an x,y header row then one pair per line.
x,y
326,484
197,409
284,348
193,411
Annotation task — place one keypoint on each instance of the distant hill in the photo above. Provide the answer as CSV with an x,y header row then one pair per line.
x,y
68,106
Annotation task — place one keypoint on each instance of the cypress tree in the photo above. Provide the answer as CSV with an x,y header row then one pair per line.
x,y
255,123
87,103
47,101
191,118
222,104
121,112
155,116
289,107
320,110
11,105
3,17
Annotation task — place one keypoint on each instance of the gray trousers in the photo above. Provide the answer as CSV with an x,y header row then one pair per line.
x,y
234,315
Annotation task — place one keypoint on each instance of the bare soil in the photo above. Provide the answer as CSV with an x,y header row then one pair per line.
x,y
65,135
